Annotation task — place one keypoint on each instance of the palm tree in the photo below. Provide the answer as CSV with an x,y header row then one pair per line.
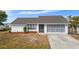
x,y
74,22
71,28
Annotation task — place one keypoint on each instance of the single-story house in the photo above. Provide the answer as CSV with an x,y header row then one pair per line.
x,y
42,24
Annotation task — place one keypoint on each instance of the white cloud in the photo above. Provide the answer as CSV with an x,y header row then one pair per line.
x,y
37,12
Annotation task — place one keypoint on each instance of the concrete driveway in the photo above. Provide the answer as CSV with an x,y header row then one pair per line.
x,y
62,41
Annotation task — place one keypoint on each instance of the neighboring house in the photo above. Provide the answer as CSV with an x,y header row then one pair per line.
x,y
42,24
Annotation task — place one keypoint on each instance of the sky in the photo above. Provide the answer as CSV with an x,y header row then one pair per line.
x,y
13,14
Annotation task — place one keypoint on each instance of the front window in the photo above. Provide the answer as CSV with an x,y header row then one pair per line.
x,y
31,26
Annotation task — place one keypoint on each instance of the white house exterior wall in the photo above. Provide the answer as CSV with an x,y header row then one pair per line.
x,y
45,28
66,28
77,30
37,29
17,28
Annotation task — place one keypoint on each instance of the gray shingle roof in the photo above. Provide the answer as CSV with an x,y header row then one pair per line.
x,y
41,19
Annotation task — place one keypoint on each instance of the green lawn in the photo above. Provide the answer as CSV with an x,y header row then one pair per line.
x,y
23,41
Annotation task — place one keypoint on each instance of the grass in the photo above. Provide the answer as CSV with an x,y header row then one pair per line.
x,y
23,41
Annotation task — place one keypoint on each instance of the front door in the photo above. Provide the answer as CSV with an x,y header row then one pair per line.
x,y
41,28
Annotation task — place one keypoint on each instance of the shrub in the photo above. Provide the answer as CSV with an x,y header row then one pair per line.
x,y
25,29
9,29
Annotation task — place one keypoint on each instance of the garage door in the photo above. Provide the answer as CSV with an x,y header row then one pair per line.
x,y
56,28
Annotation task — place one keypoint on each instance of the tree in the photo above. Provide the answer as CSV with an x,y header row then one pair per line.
x,y
3,17
74,22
